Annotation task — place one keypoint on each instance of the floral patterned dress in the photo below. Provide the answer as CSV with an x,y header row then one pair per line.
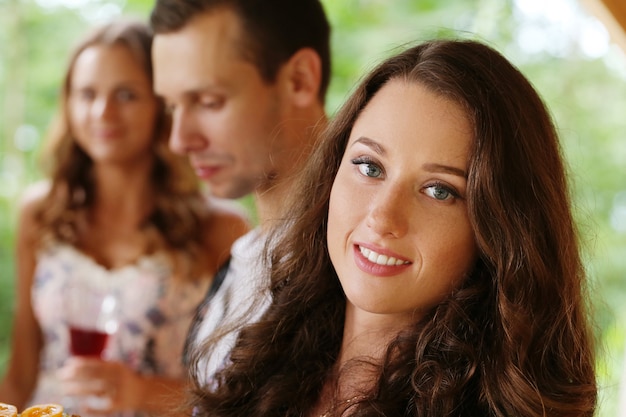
x,y
154,313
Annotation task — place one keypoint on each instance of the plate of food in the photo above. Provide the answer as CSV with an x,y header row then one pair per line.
x,y
39,410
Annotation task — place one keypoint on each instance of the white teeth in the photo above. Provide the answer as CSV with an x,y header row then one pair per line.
x,y
380,259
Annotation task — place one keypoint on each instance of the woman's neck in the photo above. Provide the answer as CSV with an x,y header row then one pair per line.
x,y
365,340
113,232
367,335
123,191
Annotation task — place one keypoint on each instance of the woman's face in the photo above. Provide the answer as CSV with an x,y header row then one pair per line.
x,y
112,108
399,235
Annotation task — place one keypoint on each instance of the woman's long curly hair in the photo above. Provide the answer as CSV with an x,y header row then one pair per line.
x,y
175,223
513,340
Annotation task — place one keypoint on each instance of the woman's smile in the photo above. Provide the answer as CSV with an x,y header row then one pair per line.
x,y
379,258
374,262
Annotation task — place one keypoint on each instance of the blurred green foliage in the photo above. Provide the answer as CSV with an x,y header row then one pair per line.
x,y
585,93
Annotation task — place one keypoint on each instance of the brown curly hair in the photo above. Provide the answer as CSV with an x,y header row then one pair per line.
x,y
513,340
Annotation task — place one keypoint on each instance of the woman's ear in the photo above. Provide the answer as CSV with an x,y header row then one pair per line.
x,y
303,74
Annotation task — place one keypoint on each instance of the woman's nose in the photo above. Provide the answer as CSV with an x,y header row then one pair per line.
x,y
388,213
104,108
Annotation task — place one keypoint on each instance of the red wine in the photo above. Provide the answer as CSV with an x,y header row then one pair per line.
x,y
87,342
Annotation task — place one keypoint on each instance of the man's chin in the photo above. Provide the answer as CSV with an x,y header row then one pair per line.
x,y
228,191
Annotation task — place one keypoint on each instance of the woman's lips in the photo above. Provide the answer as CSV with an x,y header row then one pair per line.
x,y
375,262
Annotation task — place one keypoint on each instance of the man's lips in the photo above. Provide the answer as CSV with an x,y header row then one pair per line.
x,y
206,172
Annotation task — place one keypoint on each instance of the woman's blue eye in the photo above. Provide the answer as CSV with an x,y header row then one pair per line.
x,y
440,192
370,170
86,94
125,95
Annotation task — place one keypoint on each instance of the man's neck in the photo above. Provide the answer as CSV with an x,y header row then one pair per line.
x,y
270,203
270,200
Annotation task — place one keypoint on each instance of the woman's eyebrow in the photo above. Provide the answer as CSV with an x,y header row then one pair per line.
x,y
371,143
432,167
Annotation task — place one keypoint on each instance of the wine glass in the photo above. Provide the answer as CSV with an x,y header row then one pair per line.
x,y
91,316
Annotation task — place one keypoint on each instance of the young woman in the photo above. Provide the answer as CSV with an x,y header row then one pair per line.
x,y
429,265
124,216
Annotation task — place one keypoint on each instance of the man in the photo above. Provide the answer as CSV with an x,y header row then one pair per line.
x,y
245,81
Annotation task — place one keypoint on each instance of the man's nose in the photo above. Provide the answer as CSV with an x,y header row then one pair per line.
x,y
185,136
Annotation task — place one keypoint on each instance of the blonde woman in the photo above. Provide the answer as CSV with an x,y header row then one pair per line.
x,y
124,215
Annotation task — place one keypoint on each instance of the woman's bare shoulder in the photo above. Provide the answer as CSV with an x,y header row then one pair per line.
x,y
29,203
32,197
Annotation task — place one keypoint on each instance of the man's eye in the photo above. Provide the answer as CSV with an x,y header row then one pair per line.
x,y
212,103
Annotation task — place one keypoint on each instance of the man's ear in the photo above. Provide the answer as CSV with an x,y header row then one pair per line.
x,y
303,74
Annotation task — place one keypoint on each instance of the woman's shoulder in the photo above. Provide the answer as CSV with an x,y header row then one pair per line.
x,y
34,195
32,199
29,204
